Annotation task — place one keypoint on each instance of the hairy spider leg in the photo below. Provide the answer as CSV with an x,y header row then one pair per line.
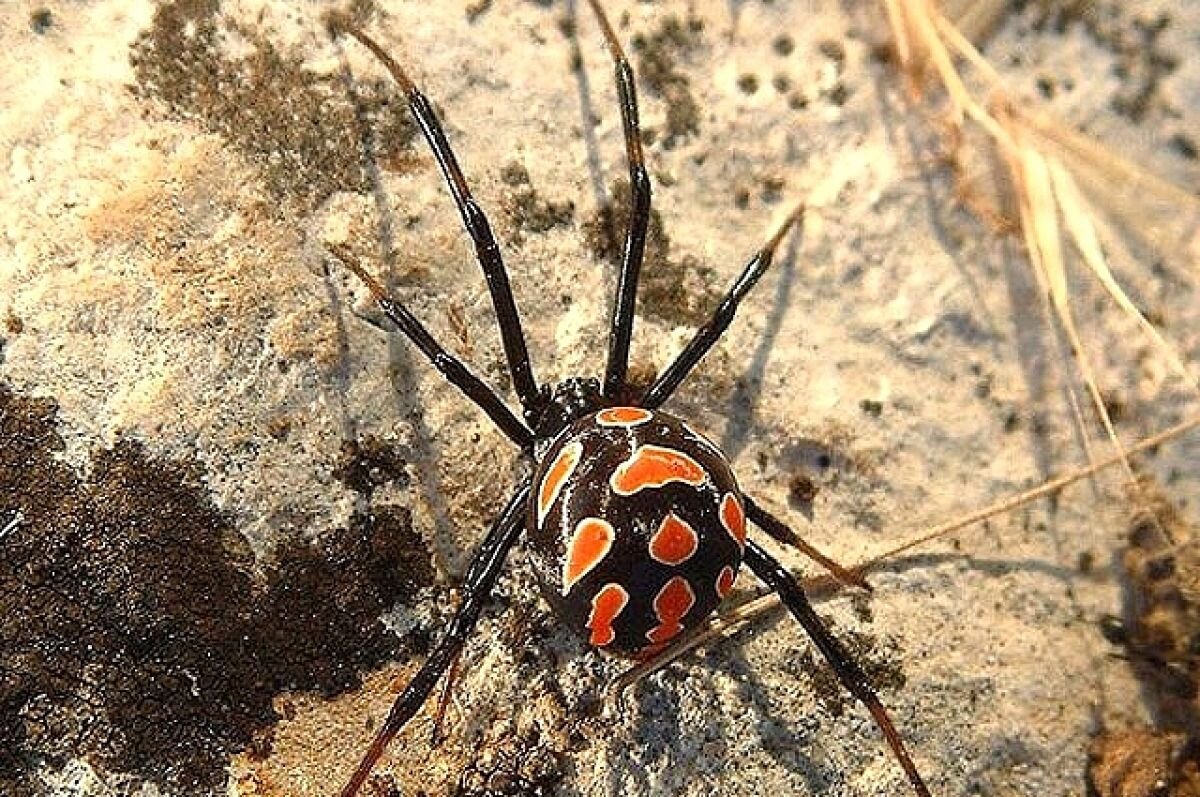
x,y
621,325
452,368
782,532
487,251
712,330
436,734
777,577
476,590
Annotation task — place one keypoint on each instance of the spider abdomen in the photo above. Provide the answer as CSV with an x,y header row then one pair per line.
x,y
637,526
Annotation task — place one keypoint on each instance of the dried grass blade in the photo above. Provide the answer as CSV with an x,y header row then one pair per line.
x,y
1078,219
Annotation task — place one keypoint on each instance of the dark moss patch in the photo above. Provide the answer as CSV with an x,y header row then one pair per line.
x,y
299,127
526,210
677,291
370,463
657,57
41,20
135,629
802,490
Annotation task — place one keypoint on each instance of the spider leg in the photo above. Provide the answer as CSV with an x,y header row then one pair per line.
x,y
712,330
781,532
455,371
487,251
621,325
776,576
477,589
436,736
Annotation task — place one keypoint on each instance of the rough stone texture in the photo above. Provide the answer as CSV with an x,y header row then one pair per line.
x,y
174,176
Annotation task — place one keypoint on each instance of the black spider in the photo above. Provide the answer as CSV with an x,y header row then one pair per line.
x,y
635,521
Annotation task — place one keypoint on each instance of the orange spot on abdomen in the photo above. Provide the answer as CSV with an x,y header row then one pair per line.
x,y
671,605
557,476
725,581
674,542
589,544
608,603
733,518
623,416
654,466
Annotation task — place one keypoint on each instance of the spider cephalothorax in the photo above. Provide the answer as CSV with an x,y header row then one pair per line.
x,y
637,526
559,406
636,521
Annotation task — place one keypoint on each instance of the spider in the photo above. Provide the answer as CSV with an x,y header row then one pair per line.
x,y
635,520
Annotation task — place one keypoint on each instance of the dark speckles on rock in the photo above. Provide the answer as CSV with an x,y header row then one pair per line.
x,y
657,69
1184,145
883,673
748,84
299,127
41,20
369,463
871,407
525,210
802,490
677,291
513,765
833,50
135,629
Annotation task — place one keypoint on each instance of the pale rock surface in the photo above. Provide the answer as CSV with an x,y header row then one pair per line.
x,y
173,285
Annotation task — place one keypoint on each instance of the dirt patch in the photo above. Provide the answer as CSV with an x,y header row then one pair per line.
x,y
657,55
678,291
135,628
298,126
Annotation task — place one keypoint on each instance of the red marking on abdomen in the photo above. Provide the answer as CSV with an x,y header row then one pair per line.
x,y
557,476
589,544
725,581
674,542
671,604
654,466
608,603
733,518
623,416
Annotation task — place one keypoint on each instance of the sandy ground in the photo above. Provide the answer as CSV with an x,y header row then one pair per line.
x,y
198,563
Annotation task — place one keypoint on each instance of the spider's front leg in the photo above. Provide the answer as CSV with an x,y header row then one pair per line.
x,y
776,576
708,335
621,325
487,250
477,589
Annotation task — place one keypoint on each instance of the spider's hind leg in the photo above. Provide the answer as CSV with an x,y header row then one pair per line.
x,y
781,532
776,576
477,589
